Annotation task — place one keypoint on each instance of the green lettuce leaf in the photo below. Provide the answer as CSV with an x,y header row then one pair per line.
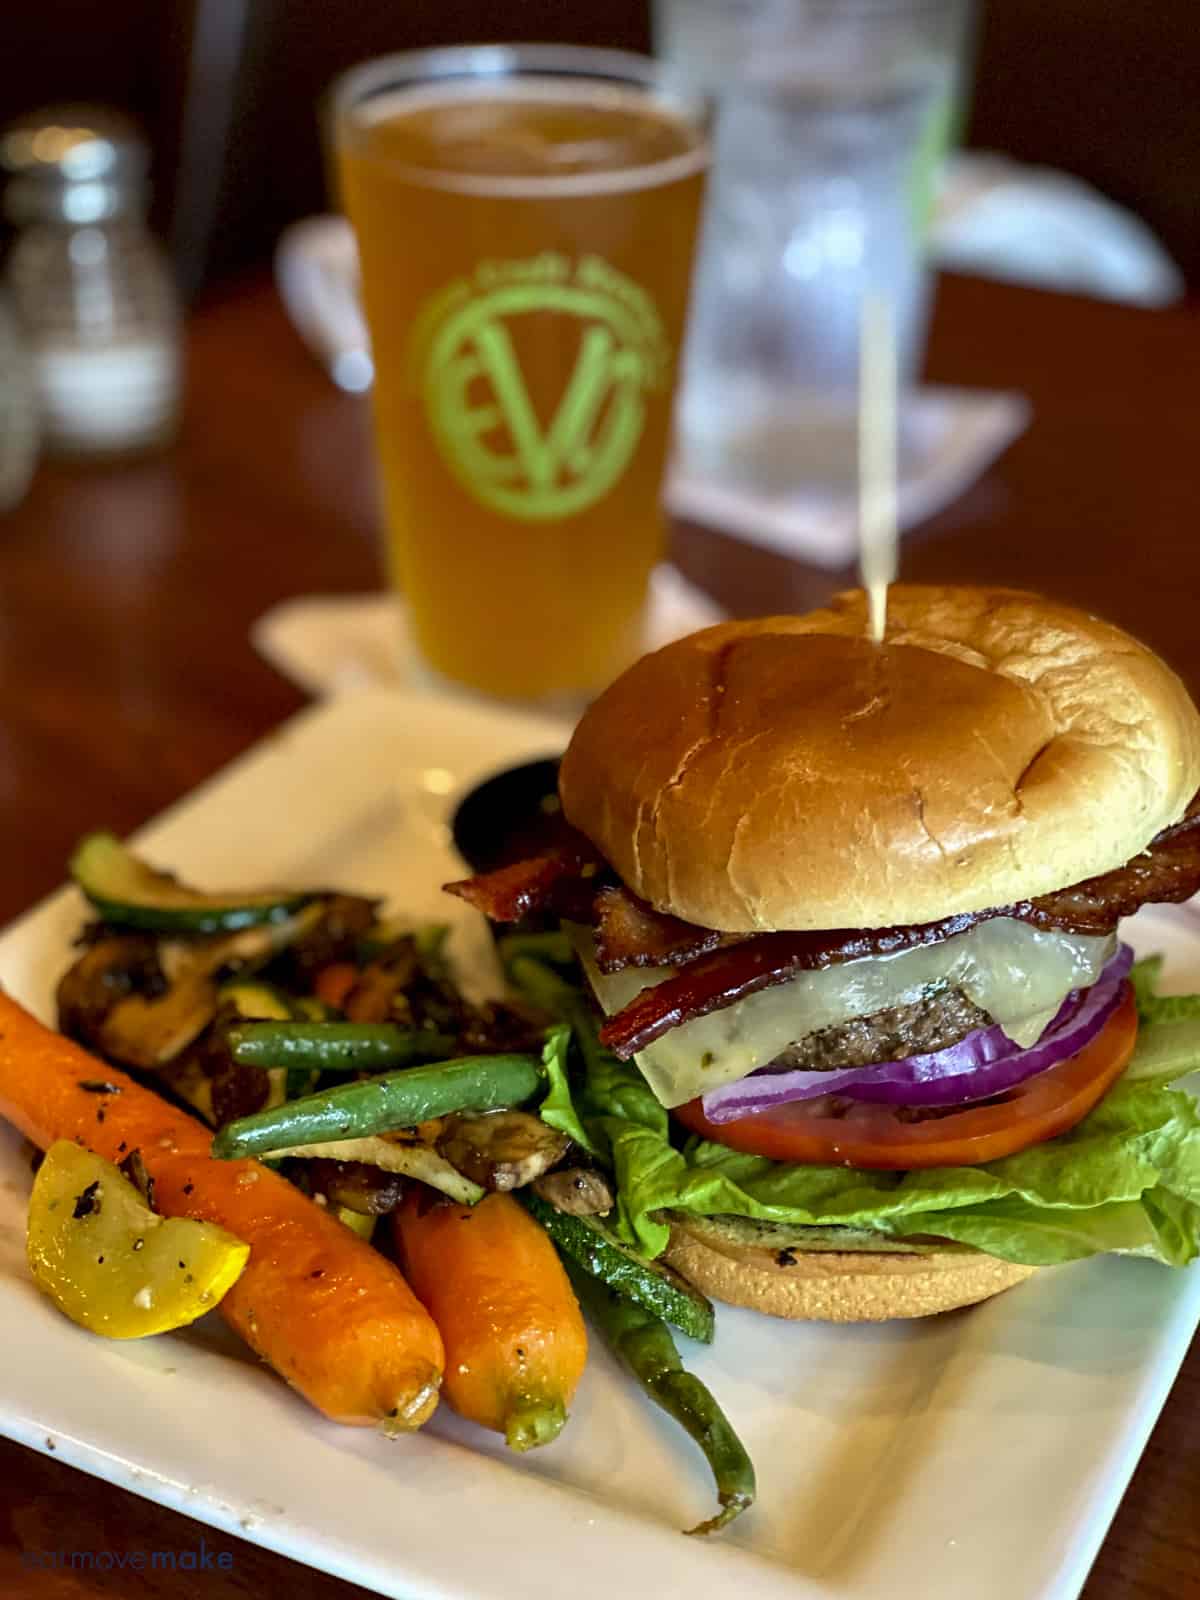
x,y
1165,1052
557,1110
1155,1007
1125,1178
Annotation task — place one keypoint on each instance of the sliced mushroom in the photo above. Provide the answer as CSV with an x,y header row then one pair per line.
x,y
206,1077
355,1186
186,1078
580,1191
503,1025
106,973
502,1150
345,920
394,1152
239,1091
147,1031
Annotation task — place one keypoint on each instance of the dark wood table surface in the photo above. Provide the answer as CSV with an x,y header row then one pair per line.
x,y
126,676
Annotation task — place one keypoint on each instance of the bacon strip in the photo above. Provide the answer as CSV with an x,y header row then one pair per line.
x,y
720,979
1168,870
630,933
561,883
720,969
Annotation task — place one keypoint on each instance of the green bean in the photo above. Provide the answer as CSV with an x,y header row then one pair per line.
x,y
428,940
335,1046
631,1318
645,1347
540,983
384,1104
550,992
554,946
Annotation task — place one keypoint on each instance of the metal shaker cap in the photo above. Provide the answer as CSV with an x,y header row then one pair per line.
x,y
73,163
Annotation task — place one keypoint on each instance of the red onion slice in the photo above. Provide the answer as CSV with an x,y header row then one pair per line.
x,y
983,1064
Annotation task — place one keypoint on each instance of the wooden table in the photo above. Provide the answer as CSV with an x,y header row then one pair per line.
x,y
126,677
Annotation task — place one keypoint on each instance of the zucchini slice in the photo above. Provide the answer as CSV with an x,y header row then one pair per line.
x,y
658,1289
255,1001
129,893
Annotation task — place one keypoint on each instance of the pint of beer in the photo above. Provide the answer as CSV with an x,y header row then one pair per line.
x,y
525,219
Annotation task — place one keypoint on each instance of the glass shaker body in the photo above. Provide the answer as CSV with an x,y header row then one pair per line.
x,y
89,284
18,413
99,314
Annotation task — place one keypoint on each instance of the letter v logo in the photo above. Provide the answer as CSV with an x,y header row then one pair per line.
x,y
535,394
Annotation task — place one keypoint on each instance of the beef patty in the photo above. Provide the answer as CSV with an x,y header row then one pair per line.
x,y
940,1018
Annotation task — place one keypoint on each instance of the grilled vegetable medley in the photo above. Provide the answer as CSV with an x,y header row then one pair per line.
x,y
308,1031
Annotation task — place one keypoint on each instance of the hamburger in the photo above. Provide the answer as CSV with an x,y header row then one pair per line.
x,y
872,1043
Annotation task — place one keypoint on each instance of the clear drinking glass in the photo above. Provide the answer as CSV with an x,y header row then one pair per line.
x,y
833,116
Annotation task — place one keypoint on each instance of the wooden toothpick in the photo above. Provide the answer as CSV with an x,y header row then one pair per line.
x,y
878,534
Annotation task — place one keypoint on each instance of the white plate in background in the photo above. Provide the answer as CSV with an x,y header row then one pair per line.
x,y
981,1453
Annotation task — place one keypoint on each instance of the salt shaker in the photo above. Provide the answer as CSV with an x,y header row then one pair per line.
x,y
88,282
18,413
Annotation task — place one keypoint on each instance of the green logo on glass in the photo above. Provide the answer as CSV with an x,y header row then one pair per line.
x,y
535,375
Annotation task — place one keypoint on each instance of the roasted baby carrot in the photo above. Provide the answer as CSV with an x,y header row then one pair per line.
x,y
514,1335
328,1312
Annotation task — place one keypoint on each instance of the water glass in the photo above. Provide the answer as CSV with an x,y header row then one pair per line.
x,y
833,119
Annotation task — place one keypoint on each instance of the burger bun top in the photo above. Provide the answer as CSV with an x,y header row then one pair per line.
x,y
788,773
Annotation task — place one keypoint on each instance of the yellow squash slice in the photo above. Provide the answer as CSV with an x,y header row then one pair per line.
x,y
113,1265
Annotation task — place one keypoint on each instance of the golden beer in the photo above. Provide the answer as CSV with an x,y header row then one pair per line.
x,y
526,243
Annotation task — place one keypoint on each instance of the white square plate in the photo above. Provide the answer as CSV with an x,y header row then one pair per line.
x,y
981,1453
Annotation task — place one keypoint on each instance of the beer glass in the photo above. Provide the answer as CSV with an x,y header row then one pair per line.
x,y
525,219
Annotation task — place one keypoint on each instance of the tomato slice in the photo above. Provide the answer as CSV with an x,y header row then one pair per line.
x,y
869,1135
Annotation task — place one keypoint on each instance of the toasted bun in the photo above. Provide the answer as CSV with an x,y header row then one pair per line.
x,y
828,1286
787,773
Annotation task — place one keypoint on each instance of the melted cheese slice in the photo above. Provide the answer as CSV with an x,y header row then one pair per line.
x,y
1017,974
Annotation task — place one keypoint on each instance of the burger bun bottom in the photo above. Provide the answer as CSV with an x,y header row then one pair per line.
x,y
730,1261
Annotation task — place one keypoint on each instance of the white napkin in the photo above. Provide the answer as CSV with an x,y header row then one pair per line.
x,y
953,434
1032,225
332,643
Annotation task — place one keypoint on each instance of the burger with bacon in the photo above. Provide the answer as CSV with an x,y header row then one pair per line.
x,y
850,912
